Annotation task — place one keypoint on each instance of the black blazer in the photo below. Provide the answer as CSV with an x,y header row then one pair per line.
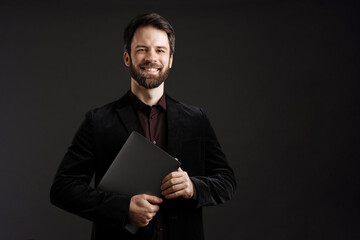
x,y
190,138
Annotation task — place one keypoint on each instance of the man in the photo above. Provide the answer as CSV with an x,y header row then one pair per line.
x,y
204,178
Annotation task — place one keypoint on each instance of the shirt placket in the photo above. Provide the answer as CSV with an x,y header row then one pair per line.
x,y
152,124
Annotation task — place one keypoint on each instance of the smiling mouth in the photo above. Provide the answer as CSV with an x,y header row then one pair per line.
x,y
150,69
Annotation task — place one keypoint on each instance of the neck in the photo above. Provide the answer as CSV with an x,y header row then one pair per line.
x,y
148,96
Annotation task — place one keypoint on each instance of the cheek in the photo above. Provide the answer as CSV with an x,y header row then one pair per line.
x,y
135,58
165,62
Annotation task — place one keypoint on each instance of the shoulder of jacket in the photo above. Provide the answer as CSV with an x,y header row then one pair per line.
x,y
186,109
109,108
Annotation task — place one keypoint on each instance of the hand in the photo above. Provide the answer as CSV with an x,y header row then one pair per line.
x,y
143,208
177,184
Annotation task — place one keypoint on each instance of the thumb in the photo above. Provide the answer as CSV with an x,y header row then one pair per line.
x,y
153,199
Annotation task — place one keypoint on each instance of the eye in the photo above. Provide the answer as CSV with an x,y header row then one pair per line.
x,y
161,50
141,50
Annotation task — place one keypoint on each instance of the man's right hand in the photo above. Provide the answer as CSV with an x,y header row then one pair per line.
x,y
142,209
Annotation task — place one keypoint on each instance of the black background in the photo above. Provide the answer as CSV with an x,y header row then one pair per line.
x,y
279,81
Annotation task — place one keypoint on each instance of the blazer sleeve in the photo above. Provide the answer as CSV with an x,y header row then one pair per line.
x,y
71,188
218,183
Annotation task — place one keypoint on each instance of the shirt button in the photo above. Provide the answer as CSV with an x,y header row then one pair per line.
x,y
154,142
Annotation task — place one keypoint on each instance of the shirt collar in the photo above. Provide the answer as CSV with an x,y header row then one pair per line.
x,y
139,105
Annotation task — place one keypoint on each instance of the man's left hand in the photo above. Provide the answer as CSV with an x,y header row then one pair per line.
x,y
177,184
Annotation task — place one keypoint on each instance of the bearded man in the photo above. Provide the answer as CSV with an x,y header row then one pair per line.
x,y
204,179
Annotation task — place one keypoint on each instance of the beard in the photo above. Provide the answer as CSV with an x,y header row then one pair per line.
x,y
146,80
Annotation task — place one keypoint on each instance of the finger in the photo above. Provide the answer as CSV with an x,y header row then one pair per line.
x,y
152,199
175,194
154,209
171,182
174,174
150,216
145,222
173,189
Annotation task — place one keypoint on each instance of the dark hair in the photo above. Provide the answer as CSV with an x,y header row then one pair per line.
x,y
149,19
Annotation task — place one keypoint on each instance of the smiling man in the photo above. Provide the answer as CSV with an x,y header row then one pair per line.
x,y
184,131
151,60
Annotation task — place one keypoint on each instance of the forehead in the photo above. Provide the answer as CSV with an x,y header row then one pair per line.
x,y
150,36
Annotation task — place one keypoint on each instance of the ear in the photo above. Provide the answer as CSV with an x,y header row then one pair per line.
x,y
127,59
171,60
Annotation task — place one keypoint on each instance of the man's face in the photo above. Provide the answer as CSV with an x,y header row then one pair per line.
x,y
150,59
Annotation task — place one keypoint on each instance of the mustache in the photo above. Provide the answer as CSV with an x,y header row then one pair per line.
x,y
150,64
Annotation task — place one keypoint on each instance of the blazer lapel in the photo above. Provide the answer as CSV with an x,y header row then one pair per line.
x,y
174,126
127,114
174,123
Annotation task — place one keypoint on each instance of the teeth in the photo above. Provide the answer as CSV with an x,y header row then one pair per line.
x,y
151,69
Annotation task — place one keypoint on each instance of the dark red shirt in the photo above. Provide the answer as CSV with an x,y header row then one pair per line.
x,y
152,121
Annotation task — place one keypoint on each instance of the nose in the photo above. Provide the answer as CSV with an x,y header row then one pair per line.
x,y
151,55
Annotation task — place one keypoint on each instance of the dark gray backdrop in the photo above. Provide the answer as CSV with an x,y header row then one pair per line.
x,y
279,81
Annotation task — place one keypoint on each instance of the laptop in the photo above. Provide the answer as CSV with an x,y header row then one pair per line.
x,y
139,168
